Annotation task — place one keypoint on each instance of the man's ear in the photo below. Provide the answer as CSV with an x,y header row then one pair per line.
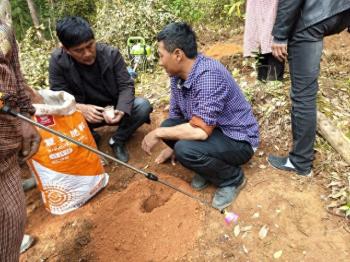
x,y
179,54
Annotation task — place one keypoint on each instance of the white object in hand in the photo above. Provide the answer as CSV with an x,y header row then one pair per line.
x,y
109,111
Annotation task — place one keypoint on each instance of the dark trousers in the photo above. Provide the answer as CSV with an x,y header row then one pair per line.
x,y
304,56
140,114
216,159
269,68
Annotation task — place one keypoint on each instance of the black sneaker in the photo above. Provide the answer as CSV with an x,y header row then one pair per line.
x,y
97,137
281,163
120,152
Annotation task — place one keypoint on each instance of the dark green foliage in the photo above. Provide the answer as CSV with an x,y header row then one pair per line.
x,y
20,17
49,12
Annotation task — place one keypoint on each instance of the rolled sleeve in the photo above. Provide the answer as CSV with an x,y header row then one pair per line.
x,y
198,122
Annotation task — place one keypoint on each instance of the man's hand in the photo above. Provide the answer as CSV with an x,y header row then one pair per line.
x,y
30,142
118,115
279,51
92,114
149,141
165,155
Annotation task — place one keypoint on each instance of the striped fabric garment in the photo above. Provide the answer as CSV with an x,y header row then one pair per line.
x,y
12,210
259,20
12,202
12,85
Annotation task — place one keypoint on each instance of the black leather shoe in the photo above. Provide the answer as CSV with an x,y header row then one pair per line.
x,y
120,152
96,136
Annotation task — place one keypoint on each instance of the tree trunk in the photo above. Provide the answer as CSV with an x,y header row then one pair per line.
x,y
35,19
5,12
334,136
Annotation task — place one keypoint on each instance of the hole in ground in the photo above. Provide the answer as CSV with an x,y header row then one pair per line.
x,y
155,200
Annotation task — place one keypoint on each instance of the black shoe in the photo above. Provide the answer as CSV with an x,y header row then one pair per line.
x,y
198,182
281,163
120,152
97,137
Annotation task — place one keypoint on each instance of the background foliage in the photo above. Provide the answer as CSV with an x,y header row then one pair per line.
x,y
113,22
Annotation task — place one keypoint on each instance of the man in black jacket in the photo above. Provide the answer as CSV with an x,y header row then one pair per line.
x,y
96,75
298,33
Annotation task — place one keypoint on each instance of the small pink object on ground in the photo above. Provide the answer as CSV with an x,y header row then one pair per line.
x,y
230,217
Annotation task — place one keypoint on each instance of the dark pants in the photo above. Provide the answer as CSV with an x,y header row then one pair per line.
x,y
139,115
269,68
304,56
216,159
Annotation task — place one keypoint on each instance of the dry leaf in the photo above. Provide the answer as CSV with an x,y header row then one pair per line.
x,y
263,232
246,228
236,230
256,215
262,166
335,183
245,249
278,254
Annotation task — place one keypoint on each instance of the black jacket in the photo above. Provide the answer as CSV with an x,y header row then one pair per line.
x,y
297,15
63,76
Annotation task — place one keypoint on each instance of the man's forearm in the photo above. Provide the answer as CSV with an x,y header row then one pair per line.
x,y
181,132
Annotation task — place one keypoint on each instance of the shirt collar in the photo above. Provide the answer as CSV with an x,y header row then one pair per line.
x,y
188,83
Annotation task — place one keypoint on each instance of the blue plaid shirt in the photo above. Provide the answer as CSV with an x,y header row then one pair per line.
x,y
212,94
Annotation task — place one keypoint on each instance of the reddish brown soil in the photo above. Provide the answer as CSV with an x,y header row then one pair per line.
x,y
220,50
134,219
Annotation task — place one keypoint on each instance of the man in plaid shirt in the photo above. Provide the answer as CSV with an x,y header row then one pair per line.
x,y
18,142
211,128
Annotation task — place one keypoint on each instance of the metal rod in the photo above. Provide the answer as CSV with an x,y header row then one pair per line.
x,y
98,152
149,176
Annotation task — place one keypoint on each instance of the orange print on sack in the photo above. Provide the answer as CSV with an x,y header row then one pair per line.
x,y
63,156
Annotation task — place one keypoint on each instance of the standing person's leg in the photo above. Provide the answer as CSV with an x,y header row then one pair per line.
x,y
262,67
275,68
12,210
304,55
304,66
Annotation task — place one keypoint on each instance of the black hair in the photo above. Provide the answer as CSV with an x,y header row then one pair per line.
x,y
179,35
73,31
